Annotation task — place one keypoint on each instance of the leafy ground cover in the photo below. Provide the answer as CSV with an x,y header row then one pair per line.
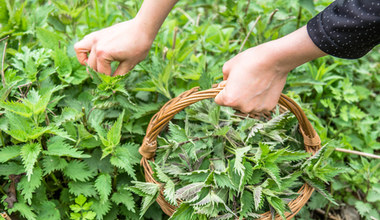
x,y
69,136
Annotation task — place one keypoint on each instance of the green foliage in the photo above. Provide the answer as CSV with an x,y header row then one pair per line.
x,y
29,155
103,186
81,209
78,170
264,172
64,127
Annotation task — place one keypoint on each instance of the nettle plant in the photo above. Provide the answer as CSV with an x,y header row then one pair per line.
x,y
63,146
215,163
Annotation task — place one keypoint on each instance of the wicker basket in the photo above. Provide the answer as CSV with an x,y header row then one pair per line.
x,y
170,109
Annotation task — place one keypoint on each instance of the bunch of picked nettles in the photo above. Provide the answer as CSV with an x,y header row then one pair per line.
x,y
216,163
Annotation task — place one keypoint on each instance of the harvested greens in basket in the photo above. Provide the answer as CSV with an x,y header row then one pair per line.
x,y
214,162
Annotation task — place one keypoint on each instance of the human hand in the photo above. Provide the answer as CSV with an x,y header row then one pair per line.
x,y
256,77
125,42
254,81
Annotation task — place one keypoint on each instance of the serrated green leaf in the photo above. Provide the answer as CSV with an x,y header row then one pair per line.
x,y
189,191
8,153
29,155
25,210
257,196
114,134
101,208
78,170
239,154
53,163
17,108
68,114
123,159
278,205
48,39
246,202
86,189
274,172
124,197
58,147
103,186
29,184
49,211
62,63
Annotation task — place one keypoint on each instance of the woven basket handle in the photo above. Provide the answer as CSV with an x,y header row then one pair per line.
x,y
172,107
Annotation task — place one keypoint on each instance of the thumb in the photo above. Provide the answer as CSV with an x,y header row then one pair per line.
x,y
219,99
122,69
104,65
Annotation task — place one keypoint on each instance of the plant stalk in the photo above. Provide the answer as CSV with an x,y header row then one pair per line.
x,y
357,153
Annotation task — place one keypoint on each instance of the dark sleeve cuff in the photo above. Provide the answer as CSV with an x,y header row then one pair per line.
x,y
347,29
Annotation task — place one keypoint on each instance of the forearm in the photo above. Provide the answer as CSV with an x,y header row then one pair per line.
x,y
293,50
152,14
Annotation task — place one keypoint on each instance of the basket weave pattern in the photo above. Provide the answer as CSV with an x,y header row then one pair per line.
x,y
171,108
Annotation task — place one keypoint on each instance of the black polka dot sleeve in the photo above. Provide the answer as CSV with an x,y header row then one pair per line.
x,y
347,28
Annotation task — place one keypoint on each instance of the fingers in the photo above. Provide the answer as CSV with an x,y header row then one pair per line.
x,y
233,96
123,68
82,48
92,60
103,65
226,70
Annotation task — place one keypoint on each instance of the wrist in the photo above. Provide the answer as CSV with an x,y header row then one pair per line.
x,y
146,27
293,50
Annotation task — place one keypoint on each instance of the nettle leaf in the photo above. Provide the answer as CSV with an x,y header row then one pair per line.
x,y
8,153
224,181
17,108
239,154
11,168
114,134
274,172
86,189
68,114
29,184
48,39
189,191
103,186
257,197
36,102
53,163
101,208
62,63
278,205
124,196
48,211
58,147
169,187
78,170
177,133
363,208
29,155
246,202
319,187
184,211
25,210
123,159
149,191
19,126
169,193
213,199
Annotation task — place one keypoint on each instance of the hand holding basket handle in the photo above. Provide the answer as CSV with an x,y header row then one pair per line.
x,y
171,108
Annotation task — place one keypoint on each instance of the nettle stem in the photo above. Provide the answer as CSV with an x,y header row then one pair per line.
x,y
357,153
